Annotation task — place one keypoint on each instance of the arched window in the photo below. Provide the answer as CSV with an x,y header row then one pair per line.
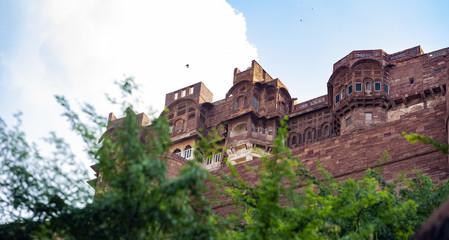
x,y
188,152
239,129
294,140
368,86
326,131
239,103
309,136
299,139
177,152
217,157
209,161
179,126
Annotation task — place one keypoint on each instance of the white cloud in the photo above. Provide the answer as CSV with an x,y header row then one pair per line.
x,y
78,48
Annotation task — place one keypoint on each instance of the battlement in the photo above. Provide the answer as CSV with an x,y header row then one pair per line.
x,y
197,92
255,73
378,55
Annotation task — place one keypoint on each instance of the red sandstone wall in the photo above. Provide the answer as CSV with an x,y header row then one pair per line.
x,y
427,71
174,164
349,155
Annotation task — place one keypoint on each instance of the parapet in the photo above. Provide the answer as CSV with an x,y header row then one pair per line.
x,y
253,74
197,92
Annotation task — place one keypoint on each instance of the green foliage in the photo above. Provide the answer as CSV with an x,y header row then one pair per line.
x,y
46,197
32,187
135,200
413,138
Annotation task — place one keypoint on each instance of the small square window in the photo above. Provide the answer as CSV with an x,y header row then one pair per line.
x,y
368,116
183,93
337,98
176,96
191,90
358,87
349,89
377,86
411,80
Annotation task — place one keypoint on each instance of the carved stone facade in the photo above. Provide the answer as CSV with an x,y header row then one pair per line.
x,y
372,98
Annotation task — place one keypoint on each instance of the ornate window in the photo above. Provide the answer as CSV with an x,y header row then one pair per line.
x,y
188,152
217,157
377,86
255,102
179,126
368,86
177,152
358,87
326,131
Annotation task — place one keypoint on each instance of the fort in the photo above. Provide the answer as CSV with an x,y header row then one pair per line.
x,y
372,98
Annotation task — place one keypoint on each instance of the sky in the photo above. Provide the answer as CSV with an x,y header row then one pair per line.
x,y
79,48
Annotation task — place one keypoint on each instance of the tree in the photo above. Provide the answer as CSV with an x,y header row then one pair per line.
x,y
137,200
